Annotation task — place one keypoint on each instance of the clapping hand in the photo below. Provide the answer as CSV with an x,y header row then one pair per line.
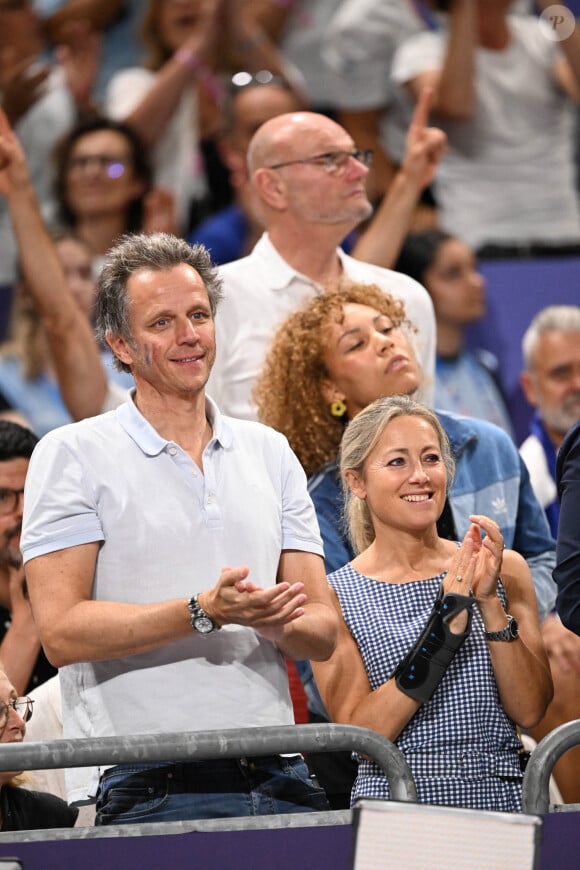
x,y
237,600
488,552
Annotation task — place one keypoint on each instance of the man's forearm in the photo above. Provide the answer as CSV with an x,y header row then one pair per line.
x,y
311,636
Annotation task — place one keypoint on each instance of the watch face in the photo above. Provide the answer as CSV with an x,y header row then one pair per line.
x,y
513,628
203,624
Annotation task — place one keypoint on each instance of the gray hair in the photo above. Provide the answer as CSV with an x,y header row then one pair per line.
x,y
157,251
359,439
560,318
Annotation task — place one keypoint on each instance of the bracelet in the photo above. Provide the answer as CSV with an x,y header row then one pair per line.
x,y
423,668
187,57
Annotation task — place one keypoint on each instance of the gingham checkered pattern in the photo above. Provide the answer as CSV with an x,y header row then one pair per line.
x,y
461,746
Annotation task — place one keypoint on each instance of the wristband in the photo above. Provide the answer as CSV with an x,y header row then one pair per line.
x,y
186,57
200,621
424,666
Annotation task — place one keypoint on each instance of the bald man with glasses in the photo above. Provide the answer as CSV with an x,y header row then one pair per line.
x,y
309,178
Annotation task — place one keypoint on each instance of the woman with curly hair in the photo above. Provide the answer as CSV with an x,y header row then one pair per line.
x,y
294,394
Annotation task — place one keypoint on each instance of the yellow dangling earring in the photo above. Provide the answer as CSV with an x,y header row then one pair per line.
x,y
338,408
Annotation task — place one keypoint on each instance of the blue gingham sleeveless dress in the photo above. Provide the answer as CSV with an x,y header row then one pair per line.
x,y
461,746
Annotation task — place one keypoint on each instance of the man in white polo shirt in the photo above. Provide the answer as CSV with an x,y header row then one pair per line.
x,y
173,556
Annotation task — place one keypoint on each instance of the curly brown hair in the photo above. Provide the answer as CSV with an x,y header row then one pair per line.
x,y
288,392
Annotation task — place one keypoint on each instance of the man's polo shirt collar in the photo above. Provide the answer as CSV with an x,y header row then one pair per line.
x,y
150,441
280,273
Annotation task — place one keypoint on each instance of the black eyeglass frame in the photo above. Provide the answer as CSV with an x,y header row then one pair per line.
x,y
362,155
24,701
15,494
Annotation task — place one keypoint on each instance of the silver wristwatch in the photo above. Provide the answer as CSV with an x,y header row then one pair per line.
x,y
200,621
509,633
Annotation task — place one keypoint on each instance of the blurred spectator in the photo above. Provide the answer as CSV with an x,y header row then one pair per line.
x,y
466,382
175,102
28,381
42,101
22,809
503,93
68,332
160,101
20,650
102,179
299,27
359,45
117,22
252,99
551,384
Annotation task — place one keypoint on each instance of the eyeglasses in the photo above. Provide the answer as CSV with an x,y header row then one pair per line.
x,y
113,166
334,162
22,706
9,500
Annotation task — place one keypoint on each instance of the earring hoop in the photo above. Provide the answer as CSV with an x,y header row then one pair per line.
x,y
337,408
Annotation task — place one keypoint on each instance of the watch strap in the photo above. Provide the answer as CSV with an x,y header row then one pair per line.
x,y
509,633
201,622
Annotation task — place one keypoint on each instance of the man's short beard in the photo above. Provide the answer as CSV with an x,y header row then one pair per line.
x,y
564,416
11,557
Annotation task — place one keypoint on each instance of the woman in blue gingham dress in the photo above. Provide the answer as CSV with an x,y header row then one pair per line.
x,y
451,707
462,748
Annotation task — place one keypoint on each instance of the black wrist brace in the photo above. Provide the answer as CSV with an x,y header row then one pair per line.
x,y
422,669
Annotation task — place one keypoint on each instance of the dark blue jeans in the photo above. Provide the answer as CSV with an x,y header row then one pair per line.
x,y
222,788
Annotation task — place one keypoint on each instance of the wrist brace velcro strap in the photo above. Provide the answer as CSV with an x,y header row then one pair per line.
x,y
422,669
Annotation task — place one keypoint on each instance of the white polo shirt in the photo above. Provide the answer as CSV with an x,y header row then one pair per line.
x,y
167,530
